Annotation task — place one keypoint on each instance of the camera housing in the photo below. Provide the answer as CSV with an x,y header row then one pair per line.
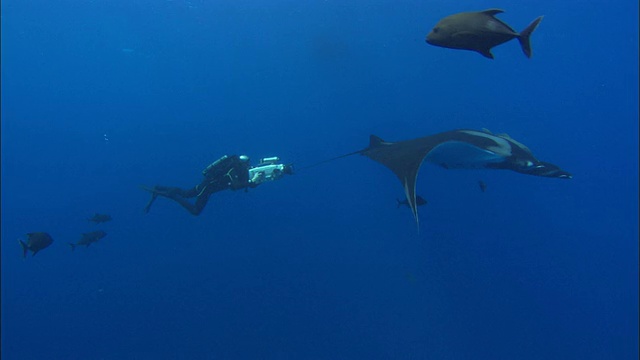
x,y
269,160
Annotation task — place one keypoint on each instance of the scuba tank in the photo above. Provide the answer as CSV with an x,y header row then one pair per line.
x,y
207,171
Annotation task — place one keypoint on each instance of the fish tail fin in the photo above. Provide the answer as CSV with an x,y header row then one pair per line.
x,y
25,248
399,203
525,36
73,246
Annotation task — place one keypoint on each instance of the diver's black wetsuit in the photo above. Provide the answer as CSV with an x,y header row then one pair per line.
x,y
228,172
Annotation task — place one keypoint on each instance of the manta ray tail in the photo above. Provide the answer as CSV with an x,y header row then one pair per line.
x,y
331,159
374,141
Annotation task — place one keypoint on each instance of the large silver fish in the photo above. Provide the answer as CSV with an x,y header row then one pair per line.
x,y
479,31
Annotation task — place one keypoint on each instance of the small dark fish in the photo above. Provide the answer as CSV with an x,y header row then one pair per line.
x,y
482,185
419,201
36,241
100,218
479,31
89,238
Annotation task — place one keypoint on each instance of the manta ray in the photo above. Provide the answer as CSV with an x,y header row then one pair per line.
x,y
455,149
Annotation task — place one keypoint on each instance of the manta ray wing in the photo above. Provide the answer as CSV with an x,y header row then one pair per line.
x,y
404,159
454,149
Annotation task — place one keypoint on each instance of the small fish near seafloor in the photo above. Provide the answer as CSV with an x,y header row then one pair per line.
x,y
100,218
479,31
89,238
36,241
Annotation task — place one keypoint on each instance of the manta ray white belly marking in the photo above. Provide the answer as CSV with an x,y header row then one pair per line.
x,y
459,148
503,148
462,155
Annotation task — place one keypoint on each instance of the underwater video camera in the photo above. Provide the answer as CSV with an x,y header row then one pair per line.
x,y
268,169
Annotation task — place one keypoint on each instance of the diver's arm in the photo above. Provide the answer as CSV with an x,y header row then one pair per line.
x,y
256,178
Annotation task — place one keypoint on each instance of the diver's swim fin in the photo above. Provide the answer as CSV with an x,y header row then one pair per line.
x,y
154,196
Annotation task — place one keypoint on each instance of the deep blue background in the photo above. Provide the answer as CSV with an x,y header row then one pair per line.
x,y
320,265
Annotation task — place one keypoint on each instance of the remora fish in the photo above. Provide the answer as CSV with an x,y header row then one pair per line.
x,y
89,238
419,201
479,31
482,185
100,218
36,241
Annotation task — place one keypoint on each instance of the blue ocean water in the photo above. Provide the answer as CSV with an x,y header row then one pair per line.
x,y
100,97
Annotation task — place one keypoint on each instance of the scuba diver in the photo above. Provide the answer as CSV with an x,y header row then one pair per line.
x,y
231,172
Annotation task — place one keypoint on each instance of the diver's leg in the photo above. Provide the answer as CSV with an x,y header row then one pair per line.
x,y
191,208
169,192
193,192
194,209
201,202
181,195
185,193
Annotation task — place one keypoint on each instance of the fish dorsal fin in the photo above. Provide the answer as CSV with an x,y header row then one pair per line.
x,y
492,12
486,131
504,135
375,141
